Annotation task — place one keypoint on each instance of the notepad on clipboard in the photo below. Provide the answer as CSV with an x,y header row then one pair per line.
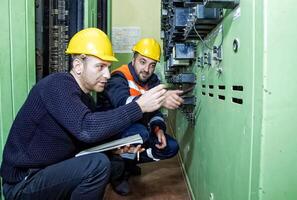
x,y
134,139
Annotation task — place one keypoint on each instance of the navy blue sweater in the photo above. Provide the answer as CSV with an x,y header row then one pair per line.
x,y
56,122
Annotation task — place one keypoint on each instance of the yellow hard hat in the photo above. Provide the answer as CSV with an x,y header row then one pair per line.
x,y
91,41
148,47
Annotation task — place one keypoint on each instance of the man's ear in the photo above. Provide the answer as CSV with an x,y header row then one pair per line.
x,y
133,61
77,66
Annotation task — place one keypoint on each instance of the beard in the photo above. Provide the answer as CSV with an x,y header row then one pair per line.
x,y
144,76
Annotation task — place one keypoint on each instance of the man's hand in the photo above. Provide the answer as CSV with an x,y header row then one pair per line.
x,y
128,149
172,99
161,138
153,99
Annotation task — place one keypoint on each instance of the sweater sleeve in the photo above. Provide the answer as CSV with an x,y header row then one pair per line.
x,y
62,100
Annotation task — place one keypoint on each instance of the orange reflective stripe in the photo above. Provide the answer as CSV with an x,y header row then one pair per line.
x,y
135,89
125,70
134,92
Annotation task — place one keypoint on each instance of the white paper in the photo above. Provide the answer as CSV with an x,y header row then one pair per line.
x,y
124,38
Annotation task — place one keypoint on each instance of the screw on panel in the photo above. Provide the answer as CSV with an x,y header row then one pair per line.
x,y
211,196
236,45
220,70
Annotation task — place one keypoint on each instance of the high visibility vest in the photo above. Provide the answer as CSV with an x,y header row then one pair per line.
x,y
135,89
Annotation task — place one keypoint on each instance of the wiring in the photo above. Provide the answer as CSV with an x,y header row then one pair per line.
x,y
205,43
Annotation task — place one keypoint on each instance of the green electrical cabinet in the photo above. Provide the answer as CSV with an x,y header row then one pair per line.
x,y
242,145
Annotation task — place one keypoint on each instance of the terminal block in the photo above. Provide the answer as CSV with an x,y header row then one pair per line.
x,y
207,15
184,51
200,61
202,21
184,78
58,35
181,16
207,59
189,101
178,62
188,112
191,3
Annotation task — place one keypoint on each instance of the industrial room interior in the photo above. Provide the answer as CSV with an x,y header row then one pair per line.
x,y
236,58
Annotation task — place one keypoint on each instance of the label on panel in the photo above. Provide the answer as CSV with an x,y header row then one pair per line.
x,y
124,38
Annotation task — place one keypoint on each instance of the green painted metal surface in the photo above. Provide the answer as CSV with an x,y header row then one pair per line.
x,y
245,151
90,13
17,44
90,19
279,152
109,17
17,59
123,58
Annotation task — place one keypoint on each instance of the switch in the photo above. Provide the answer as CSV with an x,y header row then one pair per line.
x,y
228,4
189,100
200,61
217,53
184,51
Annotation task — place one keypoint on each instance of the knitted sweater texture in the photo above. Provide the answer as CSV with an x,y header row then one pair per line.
x,y
57,121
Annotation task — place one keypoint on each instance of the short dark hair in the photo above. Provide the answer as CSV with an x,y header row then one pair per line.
x,y
81,57
135,55
78,56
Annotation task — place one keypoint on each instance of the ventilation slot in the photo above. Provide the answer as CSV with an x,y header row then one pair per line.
x,y
222,87
236,100
203,93
222,97
210,94
210,86
237,87
203,86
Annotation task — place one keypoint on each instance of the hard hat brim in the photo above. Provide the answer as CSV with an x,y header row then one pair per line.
x,y
109,58
105,58
155,59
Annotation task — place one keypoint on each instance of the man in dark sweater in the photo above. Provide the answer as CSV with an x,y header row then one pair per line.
x,y
130,82
58,120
